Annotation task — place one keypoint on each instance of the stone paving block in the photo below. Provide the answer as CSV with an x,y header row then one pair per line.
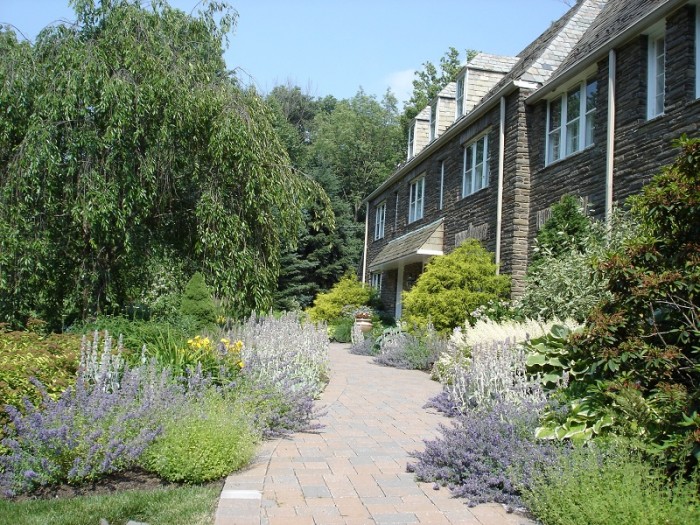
x,y
395,518
316,491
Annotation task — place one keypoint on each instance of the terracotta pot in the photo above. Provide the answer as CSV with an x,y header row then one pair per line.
x,y
365,325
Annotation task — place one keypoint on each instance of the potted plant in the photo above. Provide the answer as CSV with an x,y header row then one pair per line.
x,y
363,318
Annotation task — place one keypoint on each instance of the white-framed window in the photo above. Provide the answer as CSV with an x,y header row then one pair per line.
x,y
475,172
415,199
459,97
379,220
433,120
656,75
411,139
571,120
376,281
442,183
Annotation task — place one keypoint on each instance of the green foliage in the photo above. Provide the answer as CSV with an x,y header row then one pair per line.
x,y
124,138
341,330
51,359
349,291
349,147
197,301
568,227
360,143
563,282
207,441
609,487
162,506
453,286
639,354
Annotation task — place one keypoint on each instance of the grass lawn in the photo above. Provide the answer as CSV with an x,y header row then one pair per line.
x,y
166,506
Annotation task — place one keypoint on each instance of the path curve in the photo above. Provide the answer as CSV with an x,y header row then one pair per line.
x,y
354,471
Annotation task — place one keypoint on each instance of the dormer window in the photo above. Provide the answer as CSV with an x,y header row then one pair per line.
x,y
459,97
411,139
433,120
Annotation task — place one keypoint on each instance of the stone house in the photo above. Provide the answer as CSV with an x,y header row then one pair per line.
x,y
589,108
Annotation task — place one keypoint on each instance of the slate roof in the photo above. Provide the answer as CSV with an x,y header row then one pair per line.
x,y
615,18
538,61
409,243
489,62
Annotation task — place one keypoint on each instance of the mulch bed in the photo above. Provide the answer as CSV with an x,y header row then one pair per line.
x,y
116,482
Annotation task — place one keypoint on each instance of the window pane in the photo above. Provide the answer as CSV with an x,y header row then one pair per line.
x,y
591,95
573,105
572,130
554,149
590,128
554,115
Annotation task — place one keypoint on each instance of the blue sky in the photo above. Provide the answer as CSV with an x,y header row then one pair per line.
x,y
332,47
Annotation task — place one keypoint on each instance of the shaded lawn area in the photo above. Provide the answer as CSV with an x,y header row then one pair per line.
x,y
195,505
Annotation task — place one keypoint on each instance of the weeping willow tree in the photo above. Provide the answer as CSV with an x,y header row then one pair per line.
x,y
129,158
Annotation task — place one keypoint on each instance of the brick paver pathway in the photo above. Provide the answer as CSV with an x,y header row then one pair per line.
x,y
354,470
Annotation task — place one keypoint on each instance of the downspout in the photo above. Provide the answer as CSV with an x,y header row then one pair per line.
x,y
610,149
364,253
501,159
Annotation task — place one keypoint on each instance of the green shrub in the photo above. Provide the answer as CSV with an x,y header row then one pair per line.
x,y
197,301
349,291
567,227
207,441
563,281
453,286
639,354
341,330
52,359
612,487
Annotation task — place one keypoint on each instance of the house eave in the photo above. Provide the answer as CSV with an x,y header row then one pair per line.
x,y
601,51
457,127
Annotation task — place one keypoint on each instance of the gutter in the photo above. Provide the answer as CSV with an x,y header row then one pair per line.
x,y
453,130
610,146
364,254
600,51
501,161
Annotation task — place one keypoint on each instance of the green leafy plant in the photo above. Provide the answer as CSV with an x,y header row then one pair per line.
x,y
638,357
348,292
51,359
609,486
453,286
205,441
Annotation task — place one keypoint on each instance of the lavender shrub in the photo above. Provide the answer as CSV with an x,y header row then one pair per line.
x,y
485,454
91,430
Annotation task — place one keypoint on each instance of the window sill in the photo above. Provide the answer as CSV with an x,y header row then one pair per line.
x,y
475,193
571,156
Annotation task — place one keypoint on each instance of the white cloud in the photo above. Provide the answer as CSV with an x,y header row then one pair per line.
x,y
401,84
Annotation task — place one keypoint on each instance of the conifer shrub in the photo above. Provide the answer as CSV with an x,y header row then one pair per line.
x,y
348,292
197,301
453,286
567,227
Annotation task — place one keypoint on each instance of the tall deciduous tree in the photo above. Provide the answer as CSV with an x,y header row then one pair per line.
x,y
123,140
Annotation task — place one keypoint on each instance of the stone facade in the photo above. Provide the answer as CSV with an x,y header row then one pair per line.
x,y
531,185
